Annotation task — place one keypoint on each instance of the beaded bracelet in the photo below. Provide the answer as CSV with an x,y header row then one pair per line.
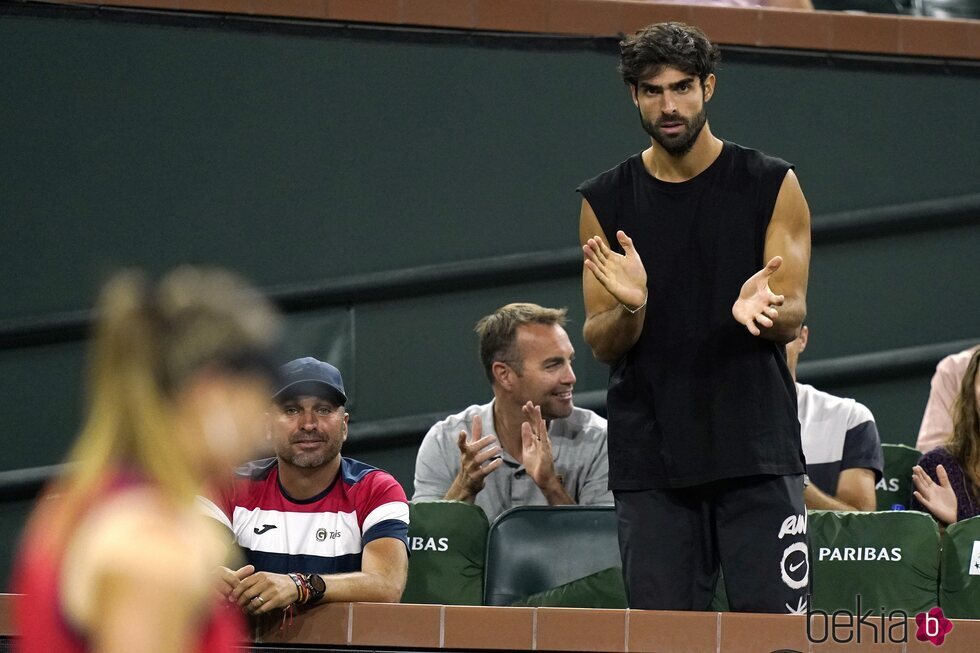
x,y
302,587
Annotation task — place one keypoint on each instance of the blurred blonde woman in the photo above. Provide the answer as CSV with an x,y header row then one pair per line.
x,y
947,479
115,557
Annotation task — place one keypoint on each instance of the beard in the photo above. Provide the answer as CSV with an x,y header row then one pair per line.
x,y
676,145
309,459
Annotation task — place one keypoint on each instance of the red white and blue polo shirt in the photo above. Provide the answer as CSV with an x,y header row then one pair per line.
x,y
323,534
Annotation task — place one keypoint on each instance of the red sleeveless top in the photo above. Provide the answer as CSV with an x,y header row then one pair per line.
x,y
42,626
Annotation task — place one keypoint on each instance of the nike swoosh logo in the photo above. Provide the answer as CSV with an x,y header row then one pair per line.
x,y
791,567
265,527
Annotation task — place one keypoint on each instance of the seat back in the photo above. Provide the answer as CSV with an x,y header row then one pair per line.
x,y
895,486
888,559
535,548
959,570
448,541
958,9
867,6
603,589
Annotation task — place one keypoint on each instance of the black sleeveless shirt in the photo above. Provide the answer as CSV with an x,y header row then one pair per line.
x,y
698,398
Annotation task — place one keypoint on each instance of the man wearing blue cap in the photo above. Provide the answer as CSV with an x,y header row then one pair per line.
x,y
314,526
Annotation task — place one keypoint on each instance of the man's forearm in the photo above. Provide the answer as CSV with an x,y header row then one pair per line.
x,y
384,570
556,494
613,332
361,586
816,499
459,491
786,327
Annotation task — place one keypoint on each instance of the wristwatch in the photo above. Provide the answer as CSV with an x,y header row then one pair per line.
x,y
317,587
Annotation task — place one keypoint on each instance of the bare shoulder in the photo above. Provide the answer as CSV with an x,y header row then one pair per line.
x,y
790,201
791,214
138,537
588,224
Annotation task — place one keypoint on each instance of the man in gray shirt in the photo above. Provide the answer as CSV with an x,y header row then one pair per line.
x,y
530,445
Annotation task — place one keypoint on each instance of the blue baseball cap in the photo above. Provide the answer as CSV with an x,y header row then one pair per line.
x,y
308,376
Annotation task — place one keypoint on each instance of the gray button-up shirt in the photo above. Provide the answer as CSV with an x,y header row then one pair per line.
x,y
578,445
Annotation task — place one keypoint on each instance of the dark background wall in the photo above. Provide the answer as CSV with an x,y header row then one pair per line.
x,y
308,155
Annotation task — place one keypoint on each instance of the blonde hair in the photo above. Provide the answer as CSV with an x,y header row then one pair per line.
x,y
149,340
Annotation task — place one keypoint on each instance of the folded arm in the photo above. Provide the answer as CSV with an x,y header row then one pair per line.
x,y
855,491
384,570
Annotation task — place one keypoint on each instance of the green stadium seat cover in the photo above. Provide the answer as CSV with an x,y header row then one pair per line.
x,y
959,570
603,589
448,541
889,559
895,487
532,549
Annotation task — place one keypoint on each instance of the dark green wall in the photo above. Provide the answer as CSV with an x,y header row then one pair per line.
x,y
297,157
305,157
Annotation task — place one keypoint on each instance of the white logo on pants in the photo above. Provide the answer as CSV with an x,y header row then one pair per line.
x,y
795,566
792,525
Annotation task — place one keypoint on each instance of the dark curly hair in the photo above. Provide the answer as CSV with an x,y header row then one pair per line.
x,y
654,47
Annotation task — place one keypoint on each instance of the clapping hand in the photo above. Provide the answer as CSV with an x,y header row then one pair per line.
x,y
536,447
623,275
938,498
474,453
756,303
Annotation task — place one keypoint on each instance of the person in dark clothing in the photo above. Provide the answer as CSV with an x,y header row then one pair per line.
x,y
691,310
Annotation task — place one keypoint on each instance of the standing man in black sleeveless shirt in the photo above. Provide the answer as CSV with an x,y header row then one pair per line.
x,y
696,259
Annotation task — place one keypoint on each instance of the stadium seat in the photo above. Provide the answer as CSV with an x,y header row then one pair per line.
x,y
869,6
531,549
888,559
958,9
448,541
895,487
959,570
603,589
